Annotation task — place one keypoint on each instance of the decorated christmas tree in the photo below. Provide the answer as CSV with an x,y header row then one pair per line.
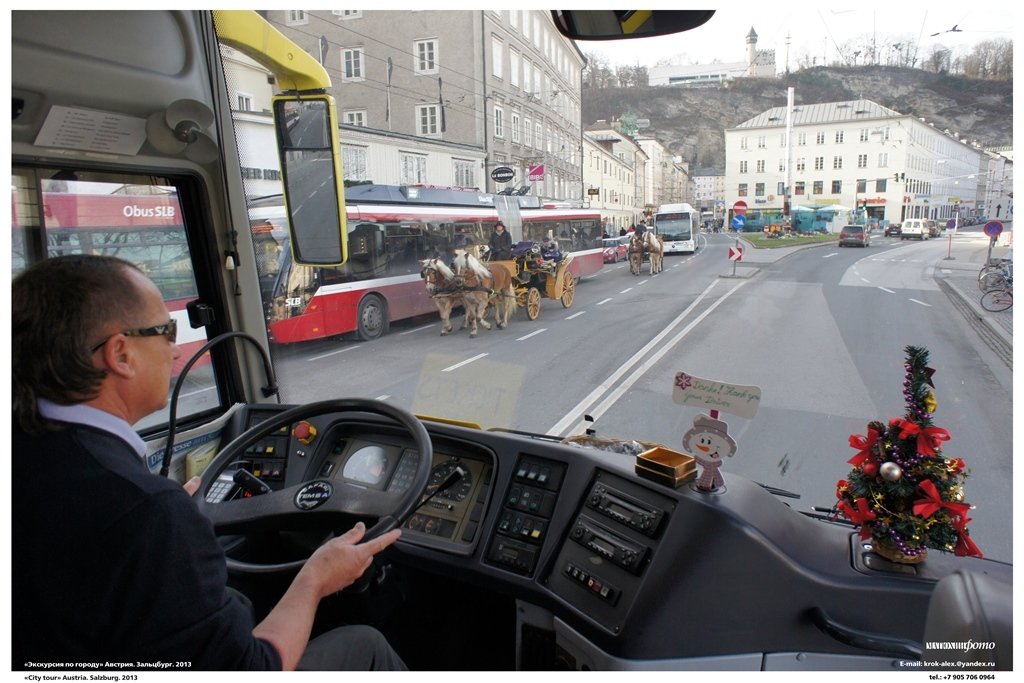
x,y
902,492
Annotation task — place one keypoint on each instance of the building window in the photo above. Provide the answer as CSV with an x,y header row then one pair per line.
x,y
347,13
881,184
819,187
782,140
413,168
782,188
782,164
758,189
821,138
837,162
352,64
883,160
528,132
515,127
760,165
801,164
295,17
798,188
819,163
743,142
499,122
427,121
762,141
839,137
863,134
464,175
353,162
513,66
497,57
837,187
538,135
426,56
742,190
743,167
801,138
355,118
862,186
244,101
862,161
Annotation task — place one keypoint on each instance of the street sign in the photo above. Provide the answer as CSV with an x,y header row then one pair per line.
x,y
738,222
993,228
950,224
735,253
739,208
591,191
503,174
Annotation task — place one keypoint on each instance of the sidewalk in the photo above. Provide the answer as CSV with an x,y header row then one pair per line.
x,y
957,277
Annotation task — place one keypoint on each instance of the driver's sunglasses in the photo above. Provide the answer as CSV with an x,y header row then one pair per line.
x,y
168,329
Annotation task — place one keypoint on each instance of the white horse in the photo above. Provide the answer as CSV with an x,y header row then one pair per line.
x,y
654,245
446,291
483,287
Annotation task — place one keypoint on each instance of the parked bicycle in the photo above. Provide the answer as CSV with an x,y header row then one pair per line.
x,y
994,275
998,299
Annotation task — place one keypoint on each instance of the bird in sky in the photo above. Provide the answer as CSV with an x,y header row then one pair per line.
x,y
952,30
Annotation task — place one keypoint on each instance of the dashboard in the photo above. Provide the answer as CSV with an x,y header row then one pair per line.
x,y
576,534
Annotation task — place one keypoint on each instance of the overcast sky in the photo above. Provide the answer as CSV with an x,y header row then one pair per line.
x,y
817,30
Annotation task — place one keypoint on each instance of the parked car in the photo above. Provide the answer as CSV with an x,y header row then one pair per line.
x,y
892,230
914,227
854,235
934,228
615,248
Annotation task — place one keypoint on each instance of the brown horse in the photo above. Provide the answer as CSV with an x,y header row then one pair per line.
x,y
483,287
650,244
635,250
446,291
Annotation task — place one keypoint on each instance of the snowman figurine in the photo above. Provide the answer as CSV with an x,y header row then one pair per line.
x,y
709,441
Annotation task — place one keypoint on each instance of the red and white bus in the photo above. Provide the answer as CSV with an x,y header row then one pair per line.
x,y
391,229
108,219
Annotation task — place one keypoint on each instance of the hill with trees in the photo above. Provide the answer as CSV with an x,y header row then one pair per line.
x,y
691,122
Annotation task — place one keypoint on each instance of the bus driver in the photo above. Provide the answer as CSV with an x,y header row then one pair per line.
x,y
111,563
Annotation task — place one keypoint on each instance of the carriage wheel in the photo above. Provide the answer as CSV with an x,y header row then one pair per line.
x,y
533,303
568,291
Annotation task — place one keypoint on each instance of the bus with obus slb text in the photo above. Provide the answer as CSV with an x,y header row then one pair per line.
x,y
391,230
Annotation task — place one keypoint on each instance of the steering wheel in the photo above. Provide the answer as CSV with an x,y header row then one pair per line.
x,y
319,496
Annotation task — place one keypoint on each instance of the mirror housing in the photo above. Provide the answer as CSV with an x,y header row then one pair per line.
x,y
307,138
588,24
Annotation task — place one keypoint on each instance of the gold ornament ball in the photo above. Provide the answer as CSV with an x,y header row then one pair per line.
x,y
890,471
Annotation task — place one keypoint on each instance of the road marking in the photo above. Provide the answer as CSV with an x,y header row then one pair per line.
x,y
603,301
333,353
886,290
465,362
417,329
921,302
650,354
625,290
383,397
543,329
834,253
865,280
576,315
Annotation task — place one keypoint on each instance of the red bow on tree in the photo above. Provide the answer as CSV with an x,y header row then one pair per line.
x,y
862,515
932,502
965,547
927,439
865,446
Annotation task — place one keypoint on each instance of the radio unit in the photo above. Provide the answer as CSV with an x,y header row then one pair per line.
x,y
609,545
625,509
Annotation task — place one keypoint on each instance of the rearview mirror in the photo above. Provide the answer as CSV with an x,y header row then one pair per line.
x,y
307,140
621,24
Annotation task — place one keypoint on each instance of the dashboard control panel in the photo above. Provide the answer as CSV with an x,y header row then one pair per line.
x,y
527,507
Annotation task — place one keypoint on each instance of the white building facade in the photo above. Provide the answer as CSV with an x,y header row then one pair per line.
x,y
854,160
613,162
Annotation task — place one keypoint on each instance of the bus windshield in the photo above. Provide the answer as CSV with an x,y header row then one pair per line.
x,y
674,226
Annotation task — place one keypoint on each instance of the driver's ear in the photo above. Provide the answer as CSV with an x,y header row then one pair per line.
x,y
118,357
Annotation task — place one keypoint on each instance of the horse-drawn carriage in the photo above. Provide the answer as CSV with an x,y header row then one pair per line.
x,y
533,278
650,245
504,285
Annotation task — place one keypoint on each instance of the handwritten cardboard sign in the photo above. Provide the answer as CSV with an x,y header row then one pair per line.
x,y
705,393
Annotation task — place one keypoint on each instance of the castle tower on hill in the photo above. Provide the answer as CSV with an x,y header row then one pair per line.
x,y
758,64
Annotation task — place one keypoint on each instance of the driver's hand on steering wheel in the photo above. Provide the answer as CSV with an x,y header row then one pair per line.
x,y
338,563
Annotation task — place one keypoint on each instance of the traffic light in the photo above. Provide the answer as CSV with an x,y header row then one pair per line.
x,y
896,177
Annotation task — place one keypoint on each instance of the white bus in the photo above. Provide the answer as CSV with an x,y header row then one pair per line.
x,y
677,224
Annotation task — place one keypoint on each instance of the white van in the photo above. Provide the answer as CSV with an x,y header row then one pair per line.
x,y
914,227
